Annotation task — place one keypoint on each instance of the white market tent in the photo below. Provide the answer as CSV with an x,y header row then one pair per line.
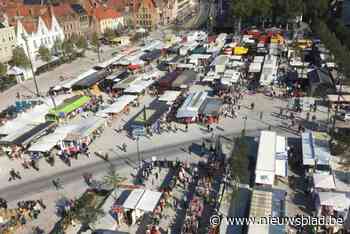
x,y
259,59
133,199
315,149
338,200
230,77
269,70
308,149
145,200
87,126
255,67
46,143
265,165
281,156
149,201
139,86
118,105
323,181
169,96
191,105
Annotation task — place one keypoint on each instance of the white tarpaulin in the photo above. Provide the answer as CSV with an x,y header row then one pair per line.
x,y
308,149
169,96
118,105
265,165
323,181
254,67
338,200
191,105
46,143
149,201
139,86
133,198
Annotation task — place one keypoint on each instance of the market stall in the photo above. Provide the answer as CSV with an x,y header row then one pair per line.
x,y
84,133
120,105
26,135
169,96
210,110
140,201
189,110
68,106
184,79
90,80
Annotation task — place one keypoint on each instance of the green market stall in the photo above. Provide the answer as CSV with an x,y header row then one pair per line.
x,y
68,106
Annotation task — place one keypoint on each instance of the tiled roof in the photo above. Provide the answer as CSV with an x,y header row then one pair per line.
x,y
63,9
30,26
102,13
116,4
26,11
47,18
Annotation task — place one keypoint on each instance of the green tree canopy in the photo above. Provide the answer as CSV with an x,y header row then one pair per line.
x,y
3,69
109,34
82,43
45,54
19,58
239,159
67,47
112,178
95,40
84,210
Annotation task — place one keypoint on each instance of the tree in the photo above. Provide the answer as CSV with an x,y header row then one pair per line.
x,y
19,58
239,159
96,43
57,46
82,43
3,69
112,178
84,210
109,34
45,54
242,9
263,8
67,48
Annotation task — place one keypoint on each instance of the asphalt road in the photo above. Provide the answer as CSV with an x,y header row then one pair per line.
x,y
170,152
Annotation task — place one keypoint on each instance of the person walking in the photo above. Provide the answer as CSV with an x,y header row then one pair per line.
x,y
124,147
252,105
261,115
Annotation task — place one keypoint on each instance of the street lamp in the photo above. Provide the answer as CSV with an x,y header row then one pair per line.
x,y
245,122
138,150
25,38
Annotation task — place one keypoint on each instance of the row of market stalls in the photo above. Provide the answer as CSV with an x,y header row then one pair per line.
x,y
30,125
328,186
70,137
